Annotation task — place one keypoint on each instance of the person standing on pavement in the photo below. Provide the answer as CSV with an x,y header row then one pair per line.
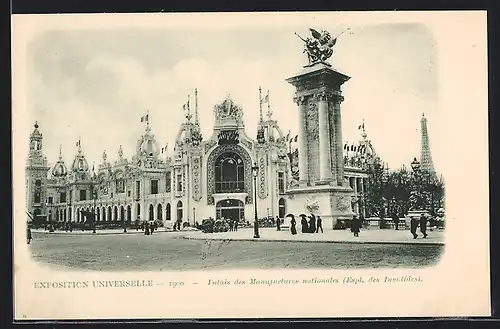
x,y
28,234
319,224
355,226
303,223
312,224
423,225
293,230
413,227
395,218
278,223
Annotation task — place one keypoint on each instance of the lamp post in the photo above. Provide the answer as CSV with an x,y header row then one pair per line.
x,y
255,172
94,196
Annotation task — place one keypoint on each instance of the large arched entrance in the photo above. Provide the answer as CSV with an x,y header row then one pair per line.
x,y
129,213
229,173
167,213
231,209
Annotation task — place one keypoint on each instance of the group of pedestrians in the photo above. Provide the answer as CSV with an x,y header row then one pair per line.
x,y
313,225
149,228
233,224
415,223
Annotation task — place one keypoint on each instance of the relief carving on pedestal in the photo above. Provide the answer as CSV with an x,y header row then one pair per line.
x,y
343,203
312,119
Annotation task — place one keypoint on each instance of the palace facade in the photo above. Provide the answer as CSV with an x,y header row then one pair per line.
x,y
203,177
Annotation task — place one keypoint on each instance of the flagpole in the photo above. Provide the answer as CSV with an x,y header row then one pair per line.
x,y
260,103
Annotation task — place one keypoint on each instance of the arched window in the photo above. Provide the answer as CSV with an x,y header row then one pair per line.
x,y
103,211
115,213
179,210
109,213
151,212
98,214
159,212
281,208
129,213
229,173
37,198
167,214
65,214
122,213
138,211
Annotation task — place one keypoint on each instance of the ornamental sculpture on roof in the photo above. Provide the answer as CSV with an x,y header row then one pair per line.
x,y
320,47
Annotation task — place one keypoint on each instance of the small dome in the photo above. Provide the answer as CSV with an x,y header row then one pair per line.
x,y
59,169
80,164
148,146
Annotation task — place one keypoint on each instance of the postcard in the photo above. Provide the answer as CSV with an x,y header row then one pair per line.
x,y
250,165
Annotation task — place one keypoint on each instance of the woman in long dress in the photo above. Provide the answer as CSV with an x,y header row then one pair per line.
x,y
303,223
292,225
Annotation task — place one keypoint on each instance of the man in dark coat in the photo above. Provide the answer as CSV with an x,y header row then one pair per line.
x,y
413,227
355,226
423,225
278,223
312,224
303,223
395,218
319,224
28,234
293,230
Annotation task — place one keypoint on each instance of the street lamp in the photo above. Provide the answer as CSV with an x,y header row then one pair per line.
x,y
415,165
255,172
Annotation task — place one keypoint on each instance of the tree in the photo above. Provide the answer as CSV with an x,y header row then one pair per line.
x,y
374,199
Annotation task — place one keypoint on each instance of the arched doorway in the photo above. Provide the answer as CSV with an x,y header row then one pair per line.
x,y
129,213
230,208
229,173
109,213
138,211
179,210
159,211
151,212
122,213
65,214
98,214
168,215
115,213
281,208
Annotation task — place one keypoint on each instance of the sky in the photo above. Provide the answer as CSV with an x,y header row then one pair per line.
x,y
95,84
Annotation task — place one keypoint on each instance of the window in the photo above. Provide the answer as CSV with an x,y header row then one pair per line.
x,y
179,183
229,173
128,193
168,182
83,195
62,197
281,208
154,186
137,189
38,183
281,182
37,197
51,200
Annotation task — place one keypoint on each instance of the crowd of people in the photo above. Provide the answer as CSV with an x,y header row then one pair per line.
x,y
313,225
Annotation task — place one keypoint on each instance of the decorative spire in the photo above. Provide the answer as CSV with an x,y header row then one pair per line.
x,y
36,125
196,105
120,152
60,152
187,107
363,133
79,144
269,112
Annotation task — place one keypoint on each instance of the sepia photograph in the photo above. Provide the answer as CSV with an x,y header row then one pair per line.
x,y
201,144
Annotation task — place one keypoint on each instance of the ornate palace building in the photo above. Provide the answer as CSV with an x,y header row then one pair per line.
x,y
203,177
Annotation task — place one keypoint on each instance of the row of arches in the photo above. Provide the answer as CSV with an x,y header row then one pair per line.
x,y
119,213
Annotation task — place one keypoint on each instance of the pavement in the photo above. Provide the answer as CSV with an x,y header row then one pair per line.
x,y
367,236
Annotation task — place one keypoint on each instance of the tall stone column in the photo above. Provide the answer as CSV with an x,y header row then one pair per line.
x,y
338,138
324,138
303,149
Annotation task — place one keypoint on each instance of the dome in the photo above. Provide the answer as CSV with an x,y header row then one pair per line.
x,y
148,146
80,164
60,169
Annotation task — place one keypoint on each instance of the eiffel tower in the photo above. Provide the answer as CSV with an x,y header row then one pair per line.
x,y
425,155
